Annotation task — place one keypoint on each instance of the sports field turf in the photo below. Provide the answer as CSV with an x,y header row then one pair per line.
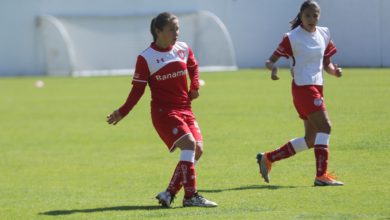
x,y
60,160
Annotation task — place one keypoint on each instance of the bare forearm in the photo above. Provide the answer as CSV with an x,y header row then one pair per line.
x,y
270,64
332,69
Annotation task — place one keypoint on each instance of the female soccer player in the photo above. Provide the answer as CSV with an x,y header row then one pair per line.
x,y
310,47
164,65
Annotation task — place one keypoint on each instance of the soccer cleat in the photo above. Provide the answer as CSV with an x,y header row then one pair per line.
x,y
327,180
165,199
265,166
199,201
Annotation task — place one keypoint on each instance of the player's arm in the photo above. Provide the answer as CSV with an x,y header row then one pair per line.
x,y
270,64
193,72
134,96
284,50
329,67
139,83
332,69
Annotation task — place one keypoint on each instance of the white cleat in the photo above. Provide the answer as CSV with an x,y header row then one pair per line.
x,y
199,201
265,166
327,180
165,199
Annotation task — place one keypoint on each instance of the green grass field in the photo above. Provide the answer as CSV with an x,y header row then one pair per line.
x,y
60,160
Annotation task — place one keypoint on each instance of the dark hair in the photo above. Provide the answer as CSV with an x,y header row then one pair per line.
x,y
160,21
306,4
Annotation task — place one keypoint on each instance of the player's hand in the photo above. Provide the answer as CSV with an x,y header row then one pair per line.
x,y
338,71
274,73
114,117
193,94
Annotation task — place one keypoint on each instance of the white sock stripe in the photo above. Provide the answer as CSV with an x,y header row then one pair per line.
x,y
299,144
322,139
187,155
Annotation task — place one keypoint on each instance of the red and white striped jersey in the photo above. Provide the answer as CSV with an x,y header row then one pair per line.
x,y
166,73
307,50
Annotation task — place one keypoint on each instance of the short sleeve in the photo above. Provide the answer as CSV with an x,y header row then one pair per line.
x,y
284,49
330,49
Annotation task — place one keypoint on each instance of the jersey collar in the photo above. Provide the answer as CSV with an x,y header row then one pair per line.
x,y
155,47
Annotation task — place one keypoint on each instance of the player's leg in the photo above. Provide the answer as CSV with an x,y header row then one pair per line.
x,y
171,128
191,197
310,133
174,131
294,146
320,120
195,131
187,144
265,160
184,173
198,151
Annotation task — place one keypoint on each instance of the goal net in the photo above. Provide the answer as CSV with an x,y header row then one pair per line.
x,y
109,45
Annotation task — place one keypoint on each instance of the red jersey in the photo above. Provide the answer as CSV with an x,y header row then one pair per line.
x,y
165,70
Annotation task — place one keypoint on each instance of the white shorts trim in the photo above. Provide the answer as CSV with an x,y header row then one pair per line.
x,y
173,147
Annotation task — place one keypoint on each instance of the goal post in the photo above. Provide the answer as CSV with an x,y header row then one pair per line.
x,y
109,45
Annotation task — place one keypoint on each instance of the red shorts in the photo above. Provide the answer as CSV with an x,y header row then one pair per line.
x,y
172,124
307,99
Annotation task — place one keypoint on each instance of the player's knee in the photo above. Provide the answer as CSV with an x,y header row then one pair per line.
x,y
324,127
187,143
198,150
310,141
327,127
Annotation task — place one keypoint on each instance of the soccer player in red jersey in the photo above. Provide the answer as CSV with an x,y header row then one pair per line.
x,y
164,66
310,48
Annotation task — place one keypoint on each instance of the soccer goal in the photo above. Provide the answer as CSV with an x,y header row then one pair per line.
x,y
109,45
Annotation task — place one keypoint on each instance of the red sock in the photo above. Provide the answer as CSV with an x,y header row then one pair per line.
x,y
321,152
176,181
189,178
282,152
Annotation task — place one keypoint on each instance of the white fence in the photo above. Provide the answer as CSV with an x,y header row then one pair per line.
x,y
360,28
109,45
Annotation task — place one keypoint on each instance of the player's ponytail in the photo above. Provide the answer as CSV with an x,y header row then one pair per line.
x,y
306,4
159,23
296,21
153,29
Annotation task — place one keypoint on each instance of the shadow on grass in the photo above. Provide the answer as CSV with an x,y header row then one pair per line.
x,y
106,209
252,187
155,207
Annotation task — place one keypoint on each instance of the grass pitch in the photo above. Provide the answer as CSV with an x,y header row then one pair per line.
x,y
60,160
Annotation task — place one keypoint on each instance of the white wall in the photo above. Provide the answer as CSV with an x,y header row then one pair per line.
x,y
360,28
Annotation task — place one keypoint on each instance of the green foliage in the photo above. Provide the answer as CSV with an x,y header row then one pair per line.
x,y
60,160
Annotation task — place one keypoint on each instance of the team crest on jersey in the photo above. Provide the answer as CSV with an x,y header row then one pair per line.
x,y
318,101
181,54
175,131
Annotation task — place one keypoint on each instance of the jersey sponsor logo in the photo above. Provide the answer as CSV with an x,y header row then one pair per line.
x,y
318,101
171,75
181,54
